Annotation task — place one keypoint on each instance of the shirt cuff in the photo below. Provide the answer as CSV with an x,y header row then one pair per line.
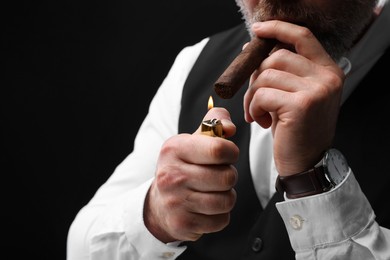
x,y
329,217
147,246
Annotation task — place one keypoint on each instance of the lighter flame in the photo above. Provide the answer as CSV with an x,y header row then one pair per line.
x,y
210,104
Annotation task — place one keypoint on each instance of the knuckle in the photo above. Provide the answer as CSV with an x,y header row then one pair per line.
x,y
304,32
281,54
169,177
168,147
335,81
173,144
268,75
172,203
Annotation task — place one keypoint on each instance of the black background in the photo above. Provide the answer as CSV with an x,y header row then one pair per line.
x,y
77,82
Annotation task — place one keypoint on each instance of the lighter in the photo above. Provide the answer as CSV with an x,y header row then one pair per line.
x,y
212,127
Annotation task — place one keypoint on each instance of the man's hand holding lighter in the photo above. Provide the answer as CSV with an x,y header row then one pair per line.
x,y
193,190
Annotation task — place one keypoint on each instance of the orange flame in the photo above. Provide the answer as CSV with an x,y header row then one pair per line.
x,y
210,104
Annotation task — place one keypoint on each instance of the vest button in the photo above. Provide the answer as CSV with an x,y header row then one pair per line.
x,y
257,244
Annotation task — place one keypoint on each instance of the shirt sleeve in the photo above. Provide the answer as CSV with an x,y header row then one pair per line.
x,y
339,224
111,225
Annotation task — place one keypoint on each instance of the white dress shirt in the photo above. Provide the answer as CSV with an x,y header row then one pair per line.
x,y
111,225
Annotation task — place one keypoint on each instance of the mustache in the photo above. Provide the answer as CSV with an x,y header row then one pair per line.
x,y
292,11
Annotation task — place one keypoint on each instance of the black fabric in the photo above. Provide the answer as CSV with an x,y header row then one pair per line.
x,y
362,135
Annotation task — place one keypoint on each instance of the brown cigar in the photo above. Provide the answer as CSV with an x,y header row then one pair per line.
x,y
243,66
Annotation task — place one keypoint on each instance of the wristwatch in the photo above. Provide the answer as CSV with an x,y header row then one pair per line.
x,y
330,171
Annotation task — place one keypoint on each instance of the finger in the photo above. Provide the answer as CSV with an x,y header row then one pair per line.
x,y
195,225
300,37
270,78
199,149
211,203
200,178
271,100
278,79
212,178
260,114
285,60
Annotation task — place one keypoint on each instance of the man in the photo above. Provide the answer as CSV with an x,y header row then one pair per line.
x,y
192,196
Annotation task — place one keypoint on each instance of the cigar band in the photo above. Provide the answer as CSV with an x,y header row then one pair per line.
x,y
212,127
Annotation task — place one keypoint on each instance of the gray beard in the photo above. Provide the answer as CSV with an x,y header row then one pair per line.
x,y
336,31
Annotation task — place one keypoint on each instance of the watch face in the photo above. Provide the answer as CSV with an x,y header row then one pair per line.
x,y
336,165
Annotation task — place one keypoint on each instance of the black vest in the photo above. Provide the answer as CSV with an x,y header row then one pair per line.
x,y
362,135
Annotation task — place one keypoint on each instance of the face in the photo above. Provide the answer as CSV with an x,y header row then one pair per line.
x,y
336,23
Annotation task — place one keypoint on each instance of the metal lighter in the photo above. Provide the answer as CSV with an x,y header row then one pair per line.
x,y
212,127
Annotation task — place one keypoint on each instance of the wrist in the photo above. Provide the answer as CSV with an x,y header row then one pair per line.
x,y
294,166
153,224
327,173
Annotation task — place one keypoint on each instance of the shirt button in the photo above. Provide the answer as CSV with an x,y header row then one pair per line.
x,y
296,222
167,255
257,244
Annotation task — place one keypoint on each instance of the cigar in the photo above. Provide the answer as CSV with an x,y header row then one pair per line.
x,y
243,66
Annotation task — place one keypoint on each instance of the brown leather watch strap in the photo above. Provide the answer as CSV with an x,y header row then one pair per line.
x,y
303,184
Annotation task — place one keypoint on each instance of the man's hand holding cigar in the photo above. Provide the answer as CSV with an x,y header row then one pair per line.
x,y
296,90
297,93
